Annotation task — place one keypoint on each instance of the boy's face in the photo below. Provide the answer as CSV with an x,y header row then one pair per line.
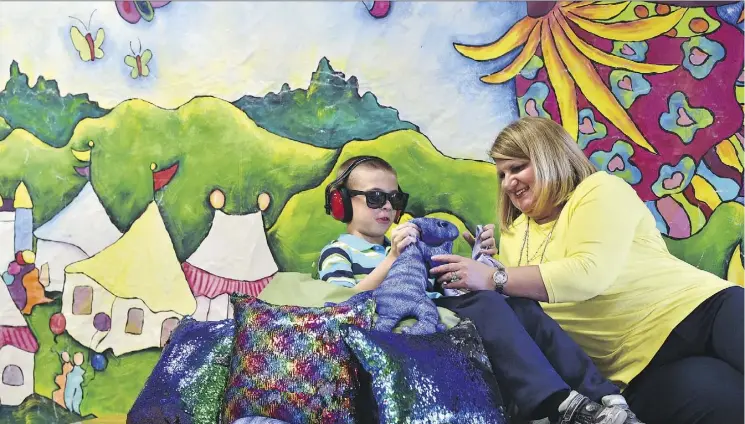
x,y
366,221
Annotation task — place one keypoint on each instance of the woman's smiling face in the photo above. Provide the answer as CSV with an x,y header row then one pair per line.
x,y
518,181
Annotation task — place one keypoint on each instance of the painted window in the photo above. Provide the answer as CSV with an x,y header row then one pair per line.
x,y
12,376
82,300
135,321
166,329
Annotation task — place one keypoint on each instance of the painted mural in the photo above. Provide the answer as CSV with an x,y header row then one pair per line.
x,y
156,156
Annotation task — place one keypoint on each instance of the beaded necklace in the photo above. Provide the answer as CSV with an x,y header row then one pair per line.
x,y
526,248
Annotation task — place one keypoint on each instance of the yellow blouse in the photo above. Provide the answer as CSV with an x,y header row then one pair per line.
x,y
612,284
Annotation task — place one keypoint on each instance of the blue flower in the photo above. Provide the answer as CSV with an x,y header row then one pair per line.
x,y
674,179
531,104
683,120
628,86
700,55
632,50
530,70
589,128
618,162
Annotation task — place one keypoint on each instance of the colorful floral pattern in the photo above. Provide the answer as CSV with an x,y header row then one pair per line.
x,y
700,55
631,50
589,128
530,71
668,81
674,179
684,120
531,103
628,86
618,162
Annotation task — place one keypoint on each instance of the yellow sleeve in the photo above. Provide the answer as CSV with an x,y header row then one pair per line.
x,y
603,214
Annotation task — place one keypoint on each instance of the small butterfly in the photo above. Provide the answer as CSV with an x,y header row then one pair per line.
x,y
138,62
132,11
88,47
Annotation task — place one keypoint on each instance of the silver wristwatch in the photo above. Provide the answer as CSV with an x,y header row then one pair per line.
x,y
500,278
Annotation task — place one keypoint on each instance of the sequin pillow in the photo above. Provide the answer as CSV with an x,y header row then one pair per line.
x,y
188,382
291,363
435,378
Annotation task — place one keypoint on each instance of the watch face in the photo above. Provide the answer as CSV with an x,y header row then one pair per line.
x,y
500,277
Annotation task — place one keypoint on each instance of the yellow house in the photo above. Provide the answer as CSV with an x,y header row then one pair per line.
x,y
136,284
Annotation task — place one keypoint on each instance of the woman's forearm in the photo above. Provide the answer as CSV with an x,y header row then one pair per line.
x,y
526,281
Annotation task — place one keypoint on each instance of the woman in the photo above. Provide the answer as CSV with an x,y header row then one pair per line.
x,y
584,244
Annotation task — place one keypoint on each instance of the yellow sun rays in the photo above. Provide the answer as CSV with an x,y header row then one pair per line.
x,y
569,59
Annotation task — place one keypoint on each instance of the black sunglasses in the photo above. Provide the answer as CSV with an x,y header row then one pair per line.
x,y
376,199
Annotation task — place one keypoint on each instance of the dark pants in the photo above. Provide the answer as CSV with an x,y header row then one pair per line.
x,y
532,357
697,375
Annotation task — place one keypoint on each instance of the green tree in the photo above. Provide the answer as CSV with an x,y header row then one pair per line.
x,y
328,114
41,110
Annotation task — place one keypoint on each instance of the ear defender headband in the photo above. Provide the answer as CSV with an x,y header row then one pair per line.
x,y
339,199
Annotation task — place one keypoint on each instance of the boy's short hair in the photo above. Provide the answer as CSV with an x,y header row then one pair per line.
x,y
371,162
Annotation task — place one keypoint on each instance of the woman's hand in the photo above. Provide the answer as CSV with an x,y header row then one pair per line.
x,y
402,236
457,272
487,240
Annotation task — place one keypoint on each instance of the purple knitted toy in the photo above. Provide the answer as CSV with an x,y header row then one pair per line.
x,y
478,255
403,292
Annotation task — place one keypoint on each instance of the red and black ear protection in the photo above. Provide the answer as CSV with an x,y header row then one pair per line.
x,y
338,200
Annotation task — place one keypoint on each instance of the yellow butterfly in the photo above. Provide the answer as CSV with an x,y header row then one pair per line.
x,y
88,47
138,62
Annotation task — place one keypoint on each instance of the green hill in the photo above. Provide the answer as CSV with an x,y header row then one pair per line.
x,y
215,145
464,188
41,110
5,129
38,409
109,392
47,172
329,113
712,247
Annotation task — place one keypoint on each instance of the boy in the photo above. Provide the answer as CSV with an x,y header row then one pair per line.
x,y
362,257
366,196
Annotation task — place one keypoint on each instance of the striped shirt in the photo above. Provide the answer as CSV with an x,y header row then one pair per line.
x,y
348,259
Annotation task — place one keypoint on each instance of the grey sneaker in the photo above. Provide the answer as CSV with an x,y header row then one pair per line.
x,y
581,410
620,402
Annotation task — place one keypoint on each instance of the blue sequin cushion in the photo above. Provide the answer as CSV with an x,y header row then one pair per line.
x,y
434,378
188,382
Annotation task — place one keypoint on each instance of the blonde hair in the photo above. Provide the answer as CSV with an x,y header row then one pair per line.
x,y
371,162
559,164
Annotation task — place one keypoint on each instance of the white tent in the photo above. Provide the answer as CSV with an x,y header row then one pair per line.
x,y
80,230
235,248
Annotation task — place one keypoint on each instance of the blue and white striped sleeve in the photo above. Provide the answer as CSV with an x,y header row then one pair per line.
x,y
335,266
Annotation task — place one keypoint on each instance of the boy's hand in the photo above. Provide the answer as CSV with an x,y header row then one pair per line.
x,y
402,236
488,243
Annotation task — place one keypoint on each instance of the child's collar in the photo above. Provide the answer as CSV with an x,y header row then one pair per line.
x,y
359,243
